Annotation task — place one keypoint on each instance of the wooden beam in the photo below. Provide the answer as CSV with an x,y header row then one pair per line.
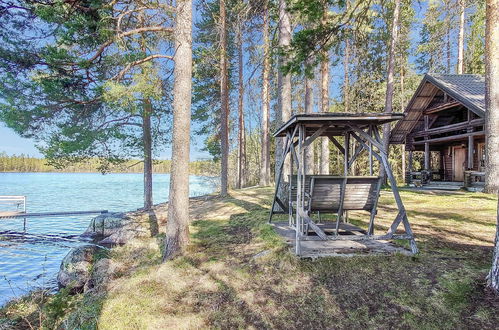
x,y
359,237
450,128
442,107
450,138
368,138
336,144
314,136
288,142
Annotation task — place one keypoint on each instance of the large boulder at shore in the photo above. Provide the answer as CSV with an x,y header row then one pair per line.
x,y
119,228
76,268
103,270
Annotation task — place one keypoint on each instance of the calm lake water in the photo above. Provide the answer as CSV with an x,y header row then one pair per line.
x,y
31,259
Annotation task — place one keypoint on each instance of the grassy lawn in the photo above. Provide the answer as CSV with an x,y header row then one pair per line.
x,y
224,281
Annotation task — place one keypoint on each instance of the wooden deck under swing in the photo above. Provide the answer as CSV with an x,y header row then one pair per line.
x,y
304,196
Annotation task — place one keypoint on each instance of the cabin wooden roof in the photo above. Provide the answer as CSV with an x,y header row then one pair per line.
x,y
465,89
339,122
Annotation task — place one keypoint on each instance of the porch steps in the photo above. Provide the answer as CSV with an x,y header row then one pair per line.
x,y
448,186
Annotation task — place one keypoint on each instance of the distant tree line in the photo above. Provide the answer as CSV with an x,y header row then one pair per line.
x,y
26,163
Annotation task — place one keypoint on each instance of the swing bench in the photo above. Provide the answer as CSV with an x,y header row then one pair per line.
x,y
327,194
305,195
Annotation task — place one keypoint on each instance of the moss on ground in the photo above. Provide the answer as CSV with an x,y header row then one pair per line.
x,y
225,281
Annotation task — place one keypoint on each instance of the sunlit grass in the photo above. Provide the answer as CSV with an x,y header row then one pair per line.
x,y
238,273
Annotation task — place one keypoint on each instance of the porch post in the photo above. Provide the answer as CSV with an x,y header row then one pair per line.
x,y
402,147
426,146
410,169
470,152
426,156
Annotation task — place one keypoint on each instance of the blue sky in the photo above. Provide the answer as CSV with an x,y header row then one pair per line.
x,y
11,143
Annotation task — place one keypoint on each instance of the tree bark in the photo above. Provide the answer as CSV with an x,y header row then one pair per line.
x,y
224,95
447,34
493,277
346,79
177,227
147,145
241,159
309,108
402,104
324,102
324,108
390,80
492,120
492,97
265,163
284,90
346,70
460,46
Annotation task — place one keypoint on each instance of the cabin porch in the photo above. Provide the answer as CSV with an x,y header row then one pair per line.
x,y
448,165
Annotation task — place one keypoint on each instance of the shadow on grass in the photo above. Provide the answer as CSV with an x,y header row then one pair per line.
x,y
389,292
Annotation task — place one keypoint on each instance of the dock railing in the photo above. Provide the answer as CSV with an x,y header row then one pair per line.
x,y
9,202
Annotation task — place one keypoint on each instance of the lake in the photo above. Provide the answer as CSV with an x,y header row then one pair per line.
x,y
31,259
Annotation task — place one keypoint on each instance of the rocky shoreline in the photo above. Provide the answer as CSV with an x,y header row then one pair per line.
x,y
88,266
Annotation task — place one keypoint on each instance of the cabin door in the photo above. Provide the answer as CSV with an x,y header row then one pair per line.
x,y
459,157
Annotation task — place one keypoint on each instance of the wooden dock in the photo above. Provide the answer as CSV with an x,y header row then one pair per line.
x,y
10,215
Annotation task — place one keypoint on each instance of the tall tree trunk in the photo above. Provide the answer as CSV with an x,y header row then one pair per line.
x,y
346,69
224,94
309,108
177,227
460,46
147,145
390,80
447,34
324,101
241,159
492,97
493,277
346,75
265,163
402,104
492,120
284,89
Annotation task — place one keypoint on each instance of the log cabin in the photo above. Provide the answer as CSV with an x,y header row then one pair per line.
x,y
443,132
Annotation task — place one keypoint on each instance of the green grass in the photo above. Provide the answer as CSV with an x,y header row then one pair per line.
x,y
225,281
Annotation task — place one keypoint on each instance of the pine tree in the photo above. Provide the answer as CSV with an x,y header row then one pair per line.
x,y
177,228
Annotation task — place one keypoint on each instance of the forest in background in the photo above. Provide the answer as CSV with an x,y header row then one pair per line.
x,y
25,163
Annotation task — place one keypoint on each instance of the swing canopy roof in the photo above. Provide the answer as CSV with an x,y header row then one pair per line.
x,y
338,123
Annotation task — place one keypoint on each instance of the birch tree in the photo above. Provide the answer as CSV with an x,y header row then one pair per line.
x,y
177,227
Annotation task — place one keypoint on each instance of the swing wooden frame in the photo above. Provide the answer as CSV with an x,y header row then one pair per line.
x,y
299,132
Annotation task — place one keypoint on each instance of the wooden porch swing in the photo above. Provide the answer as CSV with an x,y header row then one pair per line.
x,y
304,195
